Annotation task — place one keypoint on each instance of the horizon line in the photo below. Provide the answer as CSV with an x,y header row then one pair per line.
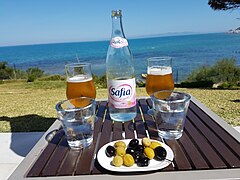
x,y
105,39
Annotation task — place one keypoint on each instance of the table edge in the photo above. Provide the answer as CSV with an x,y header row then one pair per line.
x,y
233,132
21,170
187,175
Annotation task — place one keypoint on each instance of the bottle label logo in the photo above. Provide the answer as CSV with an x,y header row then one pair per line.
x,y
118,42
122,93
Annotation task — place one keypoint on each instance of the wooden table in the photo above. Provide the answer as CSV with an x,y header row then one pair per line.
x,y
208,149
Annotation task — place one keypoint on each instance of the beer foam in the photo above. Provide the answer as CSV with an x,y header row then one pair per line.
x,y
79,78
159,70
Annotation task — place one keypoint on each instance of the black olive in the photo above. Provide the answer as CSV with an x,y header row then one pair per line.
x,y
137,156
139,148
133,143
160,153
143,162
130,150
110,151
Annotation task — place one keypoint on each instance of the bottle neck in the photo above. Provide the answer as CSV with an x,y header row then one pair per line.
x,y
117,29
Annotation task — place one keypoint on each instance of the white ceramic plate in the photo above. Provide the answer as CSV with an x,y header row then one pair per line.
x,y
105,161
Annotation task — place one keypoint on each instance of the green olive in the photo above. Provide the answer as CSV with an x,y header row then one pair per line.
x,y
119,143
117,161
128,160
154,144
149,152
120,151
146,142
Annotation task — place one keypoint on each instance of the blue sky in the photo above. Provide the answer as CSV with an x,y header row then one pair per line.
x,y
49,21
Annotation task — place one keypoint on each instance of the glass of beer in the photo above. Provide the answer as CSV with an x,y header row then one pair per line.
x,y
159,76
79,81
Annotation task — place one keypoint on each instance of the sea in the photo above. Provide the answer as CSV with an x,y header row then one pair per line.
x,y
188,52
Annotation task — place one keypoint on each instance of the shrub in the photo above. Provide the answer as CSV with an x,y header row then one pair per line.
x,y
5,71
31,78
224,85
224,71
197,84
34,73
201,74
100,81
56,77
19,74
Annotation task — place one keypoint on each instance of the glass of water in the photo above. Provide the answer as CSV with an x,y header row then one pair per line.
x,y
170,112
77,117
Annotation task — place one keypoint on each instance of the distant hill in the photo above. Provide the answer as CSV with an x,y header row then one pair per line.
x,y
164,34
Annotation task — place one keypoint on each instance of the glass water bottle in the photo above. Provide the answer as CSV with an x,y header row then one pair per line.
x,y
121,82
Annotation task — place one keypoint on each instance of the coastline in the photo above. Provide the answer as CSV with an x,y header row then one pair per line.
x,y
188,52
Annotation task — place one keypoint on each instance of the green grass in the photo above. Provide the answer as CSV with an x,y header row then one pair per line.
x,y
31,106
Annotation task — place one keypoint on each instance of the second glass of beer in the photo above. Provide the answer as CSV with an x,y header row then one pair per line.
x,y
79,81
159,76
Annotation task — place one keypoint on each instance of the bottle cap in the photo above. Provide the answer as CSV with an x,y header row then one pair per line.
x,y
116,13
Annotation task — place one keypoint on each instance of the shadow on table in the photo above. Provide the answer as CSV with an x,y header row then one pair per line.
x,y
26,131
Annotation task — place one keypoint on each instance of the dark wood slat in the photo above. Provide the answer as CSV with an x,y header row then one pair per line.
x,y
226,154
68,165
70,162
209,154
149,121
117,131
56,159
180,159
106,131
98,125
129,130
85,160
168,168
101,109
84,163
151,127
220,132
105,137
139,124
149,102
192,152
45,155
